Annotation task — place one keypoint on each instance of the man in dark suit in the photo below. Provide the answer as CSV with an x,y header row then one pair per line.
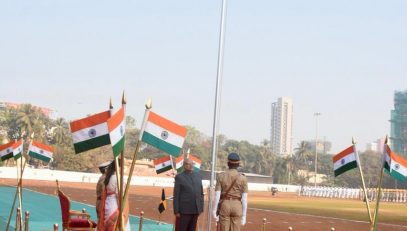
x,y
188,197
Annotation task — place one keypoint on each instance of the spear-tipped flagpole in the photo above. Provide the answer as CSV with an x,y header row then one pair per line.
x,y
376,212
18,188
363,180
122,173
133,162
117,167
217,107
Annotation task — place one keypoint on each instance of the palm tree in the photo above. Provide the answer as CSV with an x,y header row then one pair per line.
x,y
27,117
60,131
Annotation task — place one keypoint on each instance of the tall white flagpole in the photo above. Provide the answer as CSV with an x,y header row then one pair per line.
x,y
217,109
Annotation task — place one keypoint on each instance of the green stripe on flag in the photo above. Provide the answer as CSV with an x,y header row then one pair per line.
x,y
6,157
92,143
346,167
397,175
38,156
161,144
118,147
17,156
163,169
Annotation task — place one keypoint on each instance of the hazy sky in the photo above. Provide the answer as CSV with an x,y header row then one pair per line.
x,y
343,59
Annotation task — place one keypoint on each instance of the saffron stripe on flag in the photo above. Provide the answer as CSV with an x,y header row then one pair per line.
x,y
116,119
42,146
90,121
343,153
167,124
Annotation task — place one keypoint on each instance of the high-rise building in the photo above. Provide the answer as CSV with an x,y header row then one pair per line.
x,y
281,126
398,123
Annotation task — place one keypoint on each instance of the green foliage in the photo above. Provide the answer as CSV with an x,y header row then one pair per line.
x,y
22,122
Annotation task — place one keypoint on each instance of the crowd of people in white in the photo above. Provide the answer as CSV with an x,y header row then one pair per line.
x,y
388,195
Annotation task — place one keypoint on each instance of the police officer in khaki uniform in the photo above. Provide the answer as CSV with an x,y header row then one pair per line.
x,y
100,186
233,205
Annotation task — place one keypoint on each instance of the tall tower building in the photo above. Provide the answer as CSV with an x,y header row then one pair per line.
x,y
281,126
398,123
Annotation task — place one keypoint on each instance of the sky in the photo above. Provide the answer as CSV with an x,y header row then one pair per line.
x,y
343,59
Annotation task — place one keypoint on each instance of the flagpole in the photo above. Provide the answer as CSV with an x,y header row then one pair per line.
x,y
19,184
122,173
363,180
217,106
117,167
373,226
148,106
21,188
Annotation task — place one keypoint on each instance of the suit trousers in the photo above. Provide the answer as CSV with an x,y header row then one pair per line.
x,y
188,222
230,215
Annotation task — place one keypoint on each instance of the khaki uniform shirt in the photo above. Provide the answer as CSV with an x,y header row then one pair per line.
x,y
225,179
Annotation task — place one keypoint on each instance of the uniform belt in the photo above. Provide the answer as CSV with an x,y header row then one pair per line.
x,y
232,198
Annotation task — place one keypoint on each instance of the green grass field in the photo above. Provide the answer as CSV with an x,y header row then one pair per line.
x,y
338,208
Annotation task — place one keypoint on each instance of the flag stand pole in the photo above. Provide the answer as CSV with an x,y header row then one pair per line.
x,y
363,181
17,193
117,167
121,190
373,226
133,162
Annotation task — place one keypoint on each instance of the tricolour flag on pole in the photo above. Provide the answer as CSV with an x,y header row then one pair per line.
x,y
179,163
116,125
90,132
164,134
17,149
395,165
344,161
6,151
40,151
196,161
163,164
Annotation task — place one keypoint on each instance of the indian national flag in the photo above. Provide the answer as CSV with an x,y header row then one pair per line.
x,y
164,134
116,125
344,161
197,162
395,165
17,149
163,164
179,163
6,151
90,132
40,151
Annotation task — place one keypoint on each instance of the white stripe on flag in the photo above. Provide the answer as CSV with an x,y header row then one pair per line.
x,y
345,160
172,138
117,134
90,132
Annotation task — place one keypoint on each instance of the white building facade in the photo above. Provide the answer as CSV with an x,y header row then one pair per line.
x,y
281,126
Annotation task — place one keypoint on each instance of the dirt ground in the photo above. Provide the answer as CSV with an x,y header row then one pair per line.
x,y
146,199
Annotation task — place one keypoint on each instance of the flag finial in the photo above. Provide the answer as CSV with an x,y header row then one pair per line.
x,y
110,104
124,98
353,140
386,140
149,103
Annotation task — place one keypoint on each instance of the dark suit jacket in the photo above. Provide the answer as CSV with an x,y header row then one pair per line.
x,y
188,193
